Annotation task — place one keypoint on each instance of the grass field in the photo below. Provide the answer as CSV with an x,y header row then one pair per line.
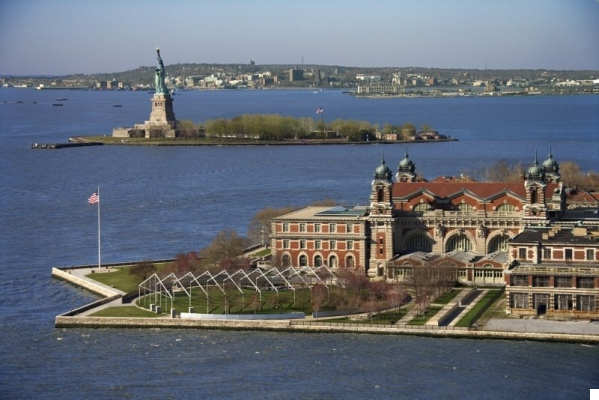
x,y
130,311
467,319
120,279
248,303
447,297
428,314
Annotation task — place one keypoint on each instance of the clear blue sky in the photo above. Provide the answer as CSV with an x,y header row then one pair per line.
x,y
84,36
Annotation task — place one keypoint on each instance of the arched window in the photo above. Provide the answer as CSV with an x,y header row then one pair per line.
x,y
303,260
350,262
318,261
422,207
466,208
286,260
506,208
333,262
419,242
459,243
498,243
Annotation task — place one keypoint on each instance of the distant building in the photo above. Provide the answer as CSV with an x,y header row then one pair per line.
x,y
296,74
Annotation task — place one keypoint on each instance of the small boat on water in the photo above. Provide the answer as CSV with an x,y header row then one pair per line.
x,y
117,105
61,99
57,105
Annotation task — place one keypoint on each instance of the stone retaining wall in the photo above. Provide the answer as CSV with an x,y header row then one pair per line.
x,y
104,322
86,284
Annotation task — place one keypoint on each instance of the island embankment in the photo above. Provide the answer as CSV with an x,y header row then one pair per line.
x,y
64,321
81,318
108,140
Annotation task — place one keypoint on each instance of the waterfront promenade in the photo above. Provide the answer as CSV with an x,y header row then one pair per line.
x,y
495,328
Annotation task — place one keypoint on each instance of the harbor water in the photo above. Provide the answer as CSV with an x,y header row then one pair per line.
x,y
160,201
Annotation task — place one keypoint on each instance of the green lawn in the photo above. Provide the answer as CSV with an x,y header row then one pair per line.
x,y
262,253
130,311
466,320
249,303
384,318
447,297
120,278
428,314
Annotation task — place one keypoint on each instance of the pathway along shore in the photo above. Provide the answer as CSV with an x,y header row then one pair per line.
x,y
510,329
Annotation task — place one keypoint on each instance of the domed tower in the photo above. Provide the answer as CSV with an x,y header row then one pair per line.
x,y
551,168
381,220
405,169
535,209
380,196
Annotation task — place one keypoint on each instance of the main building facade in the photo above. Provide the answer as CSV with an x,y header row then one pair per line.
x,y
410,222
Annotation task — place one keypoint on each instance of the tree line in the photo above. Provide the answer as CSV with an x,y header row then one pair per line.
x,y
504,171
277,127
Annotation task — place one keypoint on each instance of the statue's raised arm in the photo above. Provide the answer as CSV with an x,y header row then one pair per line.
x,y
160,73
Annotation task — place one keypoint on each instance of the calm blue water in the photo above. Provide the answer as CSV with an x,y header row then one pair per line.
x,y
157,202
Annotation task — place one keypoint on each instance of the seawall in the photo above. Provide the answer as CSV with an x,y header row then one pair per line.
x,y
289,326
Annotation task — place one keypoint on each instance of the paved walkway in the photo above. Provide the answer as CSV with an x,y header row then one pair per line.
x,y
541,326
82,274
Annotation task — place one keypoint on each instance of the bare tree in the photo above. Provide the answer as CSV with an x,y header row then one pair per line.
x,y
260,227
225,251
319,296
143,269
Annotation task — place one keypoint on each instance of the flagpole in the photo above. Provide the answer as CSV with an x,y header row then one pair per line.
x,y
324,136
99,235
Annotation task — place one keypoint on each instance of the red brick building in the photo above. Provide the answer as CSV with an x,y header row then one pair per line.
x,y
554,272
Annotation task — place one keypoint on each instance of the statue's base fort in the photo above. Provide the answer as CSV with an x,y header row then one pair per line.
x,y
162,123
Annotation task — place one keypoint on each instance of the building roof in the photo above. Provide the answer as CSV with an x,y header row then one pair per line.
x,y
547,236
482,190
339,213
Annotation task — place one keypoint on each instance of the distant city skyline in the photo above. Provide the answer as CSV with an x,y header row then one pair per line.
x,y
43,37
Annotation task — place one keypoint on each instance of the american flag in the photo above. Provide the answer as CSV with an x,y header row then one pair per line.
x,y
94,198
319,111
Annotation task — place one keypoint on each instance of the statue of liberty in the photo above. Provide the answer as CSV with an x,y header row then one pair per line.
x,y
159,79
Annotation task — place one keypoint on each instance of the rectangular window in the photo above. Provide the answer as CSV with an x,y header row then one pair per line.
x,y
302,227
585,303
540,281
285,243
317,228
590,254
463,273
350,228
286,227
302,244
519,280
498,274
350,245
585,283
332,228
318,244
333,245
519,300
547,253
563,281
522,253
563,302
568,254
